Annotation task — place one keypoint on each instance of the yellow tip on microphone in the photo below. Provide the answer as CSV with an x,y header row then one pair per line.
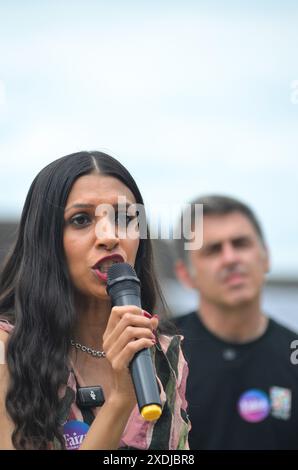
x,y
151,412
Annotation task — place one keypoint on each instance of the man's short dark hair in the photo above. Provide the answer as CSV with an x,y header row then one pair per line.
x,y
219,205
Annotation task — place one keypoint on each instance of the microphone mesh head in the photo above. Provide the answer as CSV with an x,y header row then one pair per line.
x,y
119,270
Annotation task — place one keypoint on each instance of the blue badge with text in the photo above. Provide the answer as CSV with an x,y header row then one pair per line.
x,y
254,406
74,433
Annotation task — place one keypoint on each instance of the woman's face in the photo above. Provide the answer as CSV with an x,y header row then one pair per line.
x,y
94,235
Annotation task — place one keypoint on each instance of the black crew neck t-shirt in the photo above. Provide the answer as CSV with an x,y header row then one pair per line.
x,y
240,396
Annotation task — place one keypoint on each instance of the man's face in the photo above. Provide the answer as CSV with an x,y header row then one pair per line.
x,y
229,269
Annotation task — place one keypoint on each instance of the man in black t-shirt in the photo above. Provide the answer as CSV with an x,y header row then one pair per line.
x,y
242,388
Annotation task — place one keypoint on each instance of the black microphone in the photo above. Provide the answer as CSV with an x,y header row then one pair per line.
x,y
123,287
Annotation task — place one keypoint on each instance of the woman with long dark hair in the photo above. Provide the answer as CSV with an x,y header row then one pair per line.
x,y
57,326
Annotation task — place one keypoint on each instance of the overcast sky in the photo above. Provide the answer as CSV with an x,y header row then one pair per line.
x,y
192,96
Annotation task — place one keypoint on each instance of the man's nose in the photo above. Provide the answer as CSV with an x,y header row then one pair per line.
x,y
229,253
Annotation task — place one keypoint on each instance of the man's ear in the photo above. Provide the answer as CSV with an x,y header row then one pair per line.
x,y
267,263
183,275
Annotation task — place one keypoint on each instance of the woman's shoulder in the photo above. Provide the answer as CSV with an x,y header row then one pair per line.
x,y
6,424
170,342
5,330
169,347
5,327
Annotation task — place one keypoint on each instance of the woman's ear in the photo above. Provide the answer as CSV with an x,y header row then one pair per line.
x,y
183,275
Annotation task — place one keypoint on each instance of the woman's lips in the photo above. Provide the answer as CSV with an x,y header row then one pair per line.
x,y
100,268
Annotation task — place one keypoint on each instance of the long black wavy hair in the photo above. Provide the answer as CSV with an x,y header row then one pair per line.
x,y
36,295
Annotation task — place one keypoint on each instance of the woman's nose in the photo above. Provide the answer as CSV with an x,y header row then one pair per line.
x,y
106,234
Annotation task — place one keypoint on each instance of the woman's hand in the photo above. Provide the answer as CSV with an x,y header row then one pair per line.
x,y
128,331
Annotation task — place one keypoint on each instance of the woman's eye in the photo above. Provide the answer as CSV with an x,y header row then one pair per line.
x,y
123,219
80,220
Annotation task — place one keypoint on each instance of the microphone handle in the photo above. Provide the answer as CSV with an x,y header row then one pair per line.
x,y
141,368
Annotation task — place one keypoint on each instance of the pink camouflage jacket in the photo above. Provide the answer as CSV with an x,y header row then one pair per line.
x,y
170,431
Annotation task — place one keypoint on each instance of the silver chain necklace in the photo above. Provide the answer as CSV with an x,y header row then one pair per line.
x,y
93,352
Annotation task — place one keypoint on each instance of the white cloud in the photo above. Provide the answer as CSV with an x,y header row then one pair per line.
x,y
189,101
168,55
2,93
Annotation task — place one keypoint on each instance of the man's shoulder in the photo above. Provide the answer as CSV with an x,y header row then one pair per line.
x,y
187,322
278,340
282,330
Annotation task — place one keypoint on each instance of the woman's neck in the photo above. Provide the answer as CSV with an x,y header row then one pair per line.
x,y
92,318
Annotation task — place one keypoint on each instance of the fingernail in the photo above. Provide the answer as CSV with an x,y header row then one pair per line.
x,y
156,316
146,314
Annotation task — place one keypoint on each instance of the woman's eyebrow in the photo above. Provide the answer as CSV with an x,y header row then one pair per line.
x,y
81,205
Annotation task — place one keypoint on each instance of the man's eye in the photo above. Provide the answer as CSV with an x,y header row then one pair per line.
x,y
80,220
241,243
213,250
